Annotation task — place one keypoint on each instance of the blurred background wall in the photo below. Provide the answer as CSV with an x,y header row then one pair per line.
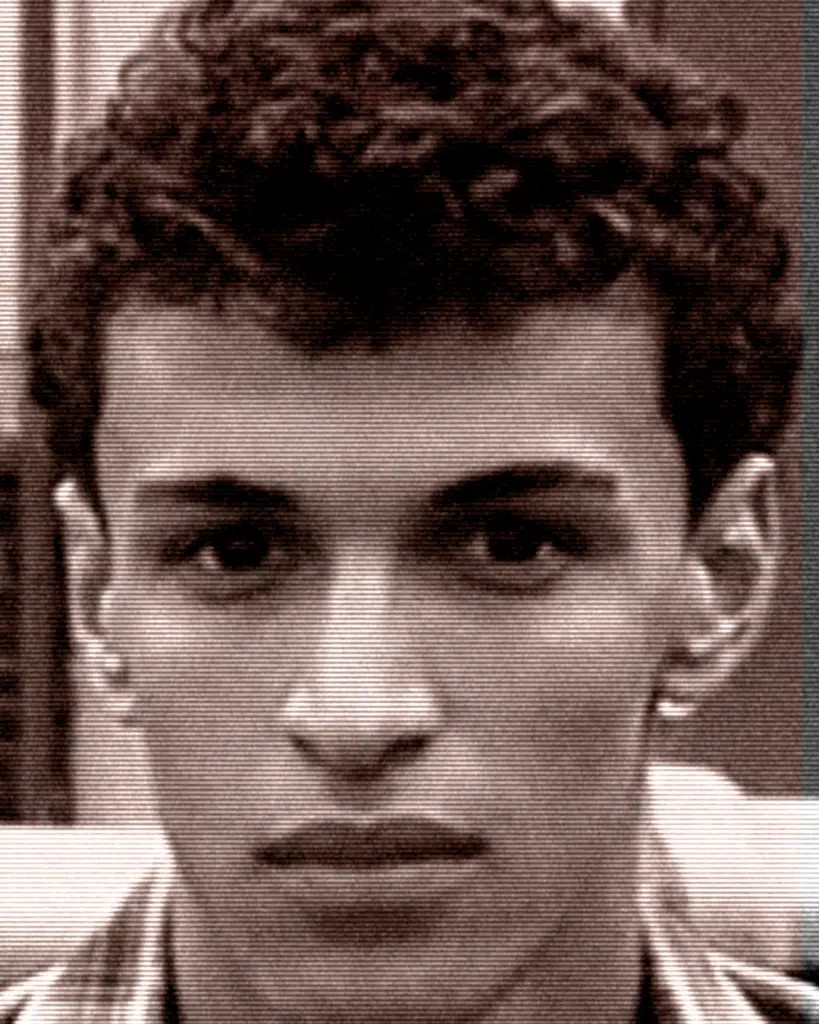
x,y
9,215
753,731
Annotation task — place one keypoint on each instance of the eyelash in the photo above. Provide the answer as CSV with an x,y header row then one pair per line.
x,y
184,551
563,543
562,535
448,542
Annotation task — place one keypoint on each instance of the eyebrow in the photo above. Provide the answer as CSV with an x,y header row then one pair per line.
x,y
519,481
217,492
227,492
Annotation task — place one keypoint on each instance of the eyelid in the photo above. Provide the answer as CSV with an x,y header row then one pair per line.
x,y
186,543
464,525
476,564
192,560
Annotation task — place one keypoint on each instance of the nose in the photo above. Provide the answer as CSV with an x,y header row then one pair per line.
x,y
365,705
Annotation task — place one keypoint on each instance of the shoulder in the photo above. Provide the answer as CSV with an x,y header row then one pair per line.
x,y
749,865
736,888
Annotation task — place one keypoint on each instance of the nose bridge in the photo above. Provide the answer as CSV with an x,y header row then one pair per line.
x,y
366,693
357,640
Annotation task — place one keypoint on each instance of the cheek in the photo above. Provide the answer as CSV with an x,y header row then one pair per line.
x,y
207,693
206,683
552,702
577,669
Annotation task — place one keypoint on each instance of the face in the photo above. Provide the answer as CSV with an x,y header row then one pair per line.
x,y
392,623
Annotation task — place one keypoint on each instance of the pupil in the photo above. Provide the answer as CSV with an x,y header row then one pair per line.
x,y
244,553
515,544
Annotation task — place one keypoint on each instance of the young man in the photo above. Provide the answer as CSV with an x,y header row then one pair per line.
x,y
415,372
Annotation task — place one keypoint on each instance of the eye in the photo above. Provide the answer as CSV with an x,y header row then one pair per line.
x,y
511,542
233,560
233,551
512,552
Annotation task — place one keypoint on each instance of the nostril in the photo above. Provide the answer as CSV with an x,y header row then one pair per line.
x,y
355,755
407,747
303,746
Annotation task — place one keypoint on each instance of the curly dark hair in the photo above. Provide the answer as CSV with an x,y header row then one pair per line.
x,y
389,156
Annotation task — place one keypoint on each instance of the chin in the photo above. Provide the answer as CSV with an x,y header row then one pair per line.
x,y
371,979
394,988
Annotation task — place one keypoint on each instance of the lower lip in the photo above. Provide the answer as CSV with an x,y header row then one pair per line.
x,y
405,884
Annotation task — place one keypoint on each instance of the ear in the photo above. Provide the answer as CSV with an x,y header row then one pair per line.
x,y
87,563
729,578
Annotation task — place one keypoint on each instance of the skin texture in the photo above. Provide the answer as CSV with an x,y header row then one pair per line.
x,y
384,649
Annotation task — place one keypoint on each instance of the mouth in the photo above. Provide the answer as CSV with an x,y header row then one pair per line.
x,y
388,871
392,843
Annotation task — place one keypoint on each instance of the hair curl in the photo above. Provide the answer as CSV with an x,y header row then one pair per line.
x,y
391,155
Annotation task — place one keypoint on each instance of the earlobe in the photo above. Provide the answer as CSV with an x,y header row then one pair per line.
x,y
87,573
728,582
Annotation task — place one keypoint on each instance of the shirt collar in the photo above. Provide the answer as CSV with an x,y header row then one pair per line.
x,y
120,974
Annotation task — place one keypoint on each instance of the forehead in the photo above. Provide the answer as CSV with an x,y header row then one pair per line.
x,y
226,393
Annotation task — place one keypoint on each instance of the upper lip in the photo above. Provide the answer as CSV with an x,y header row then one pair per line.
x,y
342,844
